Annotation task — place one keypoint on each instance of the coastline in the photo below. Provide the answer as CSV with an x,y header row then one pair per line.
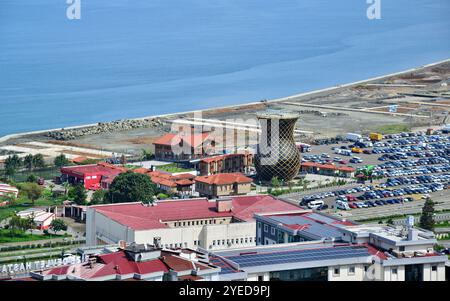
x,y
309,93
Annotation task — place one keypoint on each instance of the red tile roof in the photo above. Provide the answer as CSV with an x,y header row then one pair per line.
x,y
101,168
224,178
140,217
170,139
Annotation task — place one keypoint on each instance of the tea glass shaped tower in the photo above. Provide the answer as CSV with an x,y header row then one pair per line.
x,y
277,155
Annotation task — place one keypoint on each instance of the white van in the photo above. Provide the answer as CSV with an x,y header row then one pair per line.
x,y
315,204
342,205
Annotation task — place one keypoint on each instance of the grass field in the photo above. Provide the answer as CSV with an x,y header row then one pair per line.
x,y
6,236
393,128
172,168
23,203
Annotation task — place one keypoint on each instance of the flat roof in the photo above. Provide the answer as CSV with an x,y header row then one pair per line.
x,y
290,254
310,224
142,217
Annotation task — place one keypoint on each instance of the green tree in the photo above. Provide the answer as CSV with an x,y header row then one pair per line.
x,y
32,178
98,197
131,187
58,225
275,182
28,162
61,161
78,194
38,161
12,164
32,191
146,155
66,186
427,217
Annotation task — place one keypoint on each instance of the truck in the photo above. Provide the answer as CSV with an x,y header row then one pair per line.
x,y
376,136
353,137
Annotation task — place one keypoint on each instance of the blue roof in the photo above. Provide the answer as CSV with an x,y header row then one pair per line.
x,y
314,230
301,255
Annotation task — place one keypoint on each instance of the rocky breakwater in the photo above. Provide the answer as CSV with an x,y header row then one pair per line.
x,y
104,127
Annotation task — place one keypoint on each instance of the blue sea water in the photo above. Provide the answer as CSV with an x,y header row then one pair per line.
x,y
135,58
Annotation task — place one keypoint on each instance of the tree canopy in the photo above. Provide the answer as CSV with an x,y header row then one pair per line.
x,y
12,164
427,217
58,225
78,194
131,187
61,161
31,190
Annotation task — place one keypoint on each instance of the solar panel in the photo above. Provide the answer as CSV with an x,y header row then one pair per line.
x,y
299,256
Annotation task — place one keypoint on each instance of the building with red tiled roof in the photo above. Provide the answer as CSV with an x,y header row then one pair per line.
x,y
226,163
183,146
182,223
136,262
328,169
223,184
92,176
179,184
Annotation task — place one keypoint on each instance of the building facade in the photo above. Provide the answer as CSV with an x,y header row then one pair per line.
x,y
186,223
227,163
224,184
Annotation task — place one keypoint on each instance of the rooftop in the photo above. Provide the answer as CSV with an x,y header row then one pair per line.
x,y
224,178
307,223
170,139
141,217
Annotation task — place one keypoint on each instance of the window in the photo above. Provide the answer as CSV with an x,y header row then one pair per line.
x,y
365,268
402,248
214,242
394,271
272,230
351,270
336,271
266,228
259,225
434,268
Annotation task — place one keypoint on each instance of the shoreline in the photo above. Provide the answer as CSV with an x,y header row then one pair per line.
x,y
329,89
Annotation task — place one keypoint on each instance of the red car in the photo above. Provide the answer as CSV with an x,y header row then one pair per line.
x,y
353,206
343,162
350,198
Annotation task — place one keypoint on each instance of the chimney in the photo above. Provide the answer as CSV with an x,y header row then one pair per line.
x,y
122,244
413,234
224,205
157,242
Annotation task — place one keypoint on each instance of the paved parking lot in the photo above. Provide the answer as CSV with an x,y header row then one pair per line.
x,y
412,165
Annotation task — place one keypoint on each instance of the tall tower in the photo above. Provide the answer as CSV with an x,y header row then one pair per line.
x,y
277,154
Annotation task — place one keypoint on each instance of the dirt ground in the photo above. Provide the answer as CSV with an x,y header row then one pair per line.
x,y
428,85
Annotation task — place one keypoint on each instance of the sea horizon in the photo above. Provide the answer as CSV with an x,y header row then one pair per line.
x,y
124,61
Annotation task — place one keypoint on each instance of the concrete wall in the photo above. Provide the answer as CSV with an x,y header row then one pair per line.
x,y
437,275
345,274
231,235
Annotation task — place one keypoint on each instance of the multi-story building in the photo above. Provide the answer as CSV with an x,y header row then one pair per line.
x,y
136,262
186,223
93,176
180,147
297,226
223,184
225,164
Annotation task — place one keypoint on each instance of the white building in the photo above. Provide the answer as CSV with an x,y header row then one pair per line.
x,y
186,223
363,253
41,218
8,190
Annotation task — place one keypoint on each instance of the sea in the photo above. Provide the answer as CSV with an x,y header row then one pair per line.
x,y
136,58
